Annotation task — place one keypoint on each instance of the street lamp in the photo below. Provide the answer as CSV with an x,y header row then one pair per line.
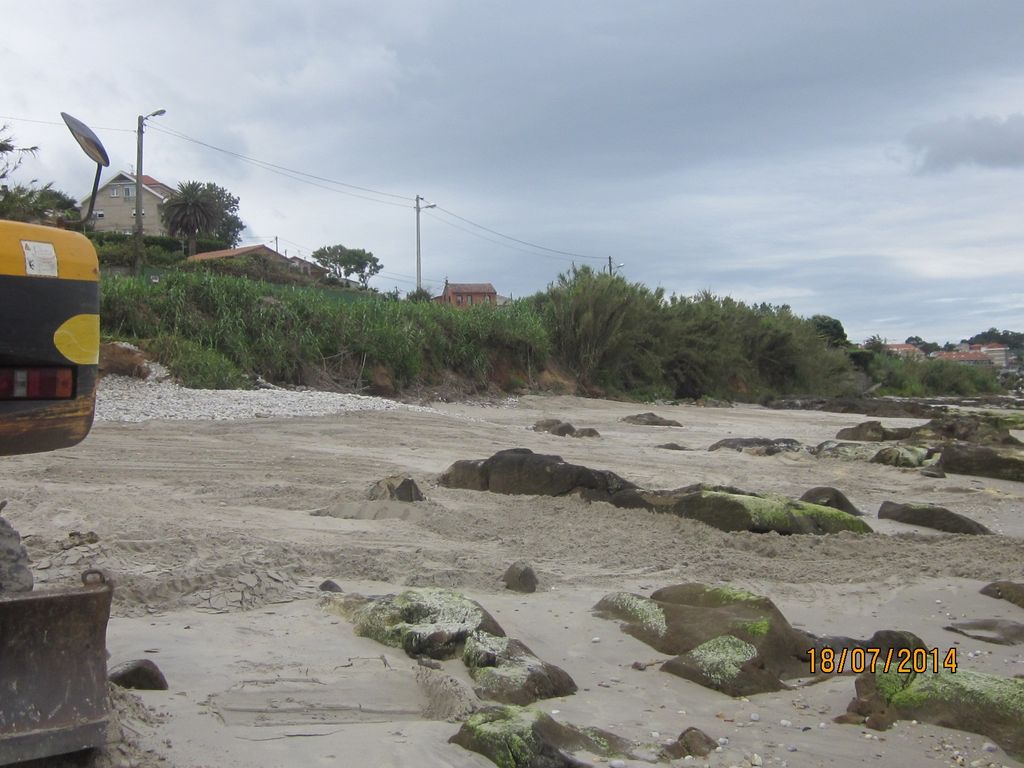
x,y
419,282
139,249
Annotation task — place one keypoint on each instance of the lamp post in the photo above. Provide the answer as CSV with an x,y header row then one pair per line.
x,y
419,282
139,249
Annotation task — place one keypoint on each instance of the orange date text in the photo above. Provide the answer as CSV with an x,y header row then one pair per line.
x,y
837,661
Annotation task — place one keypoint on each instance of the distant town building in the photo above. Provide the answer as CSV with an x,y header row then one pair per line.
x,y
905,350
974,357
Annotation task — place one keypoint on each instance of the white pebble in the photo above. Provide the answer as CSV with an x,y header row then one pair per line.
x,y
617,764
723,740
754,717
595,639
756,760
785,723
988,746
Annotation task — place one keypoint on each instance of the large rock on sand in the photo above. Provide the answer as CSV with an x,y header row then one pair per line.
x,y
872,432
827,496
425,622
998,462
723,638
515,737
395,488
758,446
521,471
930,516
989,705
650,420
505,670
1006,590
729,510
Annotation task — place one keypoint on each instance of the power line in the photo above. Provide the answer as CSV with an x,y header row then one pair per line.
x,y
291,173
517,240
54,122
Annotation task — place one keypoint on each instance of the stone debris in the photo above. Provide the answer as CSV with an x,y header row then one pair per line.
x,y
15,574
139,675
120,398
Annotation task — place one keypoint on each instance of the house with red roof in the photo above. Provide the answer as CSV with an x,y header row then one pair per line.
x,y
115,205
975,357
467,294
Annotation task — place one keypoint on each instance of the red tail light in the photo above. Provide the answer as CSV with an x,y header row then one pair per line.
x,y
37,383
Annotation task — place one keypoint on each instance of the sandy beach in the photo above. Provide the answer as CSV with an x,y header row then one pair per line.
x,y
217,535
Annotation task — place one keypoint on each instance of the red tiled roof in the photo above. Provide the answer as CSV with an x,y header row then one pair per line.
x,y
471,287
964,357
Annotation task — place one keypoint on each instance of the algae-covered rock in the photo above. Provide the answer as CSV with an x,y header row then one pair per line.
x,y
650,420
727,664
505,670
516,737
758,446
764,513
689,622
426,622
645,615
989,705
908,456
835,449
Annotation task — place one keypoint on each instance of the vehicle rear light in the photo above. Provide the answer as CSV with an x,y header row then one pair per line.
x,y
37,383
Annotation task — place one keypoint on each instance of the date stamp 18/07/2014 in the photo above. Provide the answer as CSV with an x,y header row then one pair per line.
x,y
830,661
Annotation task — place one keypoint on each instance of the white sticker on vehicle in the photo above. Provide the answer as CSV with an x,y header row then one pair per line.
x,y
40,258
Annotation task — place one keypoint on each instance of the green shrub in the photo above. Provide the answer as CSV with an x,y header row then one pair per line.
x,y
195,366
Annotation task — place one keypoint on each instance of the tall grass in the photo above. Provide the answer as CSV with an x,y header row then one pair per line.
x,y
297,335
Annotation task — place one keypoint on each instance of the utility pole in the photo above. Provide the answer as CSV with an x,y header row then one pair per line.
x,y
139,246
609,265
419,279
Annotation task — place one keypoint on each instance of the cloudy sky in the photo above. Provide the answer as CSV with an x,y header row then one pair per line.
x,y
862,160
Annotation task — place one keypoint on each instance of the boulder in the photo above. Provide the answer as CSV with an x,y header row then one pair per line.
x,y
554,427
15,573
520,577
869,406
1006,590
396,488
998,631
691,742
650,420
729,511
1001,463
976,428
139,675
834,449
329,585
427,622
723,638
516,737
872,432
673,447
521,471
977,702
586,432
505,670
930,516
910,456
758,446
826,496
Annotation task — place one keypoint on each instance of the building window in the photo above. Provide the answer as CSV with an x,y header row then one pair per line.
x,y
97,214
469,299
127,192
458,298
113,191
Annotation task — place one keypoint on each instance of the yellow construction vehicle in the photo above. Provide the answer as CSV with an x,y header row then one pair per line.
x,y
53,659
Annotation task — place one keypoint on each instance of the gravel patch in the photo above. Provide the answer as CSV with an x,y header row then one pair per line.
x,y
120,398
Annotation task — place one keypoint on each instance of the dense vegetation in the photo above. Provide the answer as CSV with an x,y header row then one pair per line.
x,y
615,337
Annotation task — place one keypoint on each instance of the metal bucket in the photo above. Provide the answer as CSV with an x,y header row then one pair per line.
x,y
53,670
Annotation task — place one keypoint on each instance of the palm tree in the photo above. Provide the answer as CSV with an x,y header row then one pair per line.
x,y
189,211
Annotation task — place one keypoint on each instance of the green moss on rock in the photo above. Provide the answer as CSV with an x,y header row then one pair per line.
x,y
434,622
505,735
721,658
737,512
641,611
